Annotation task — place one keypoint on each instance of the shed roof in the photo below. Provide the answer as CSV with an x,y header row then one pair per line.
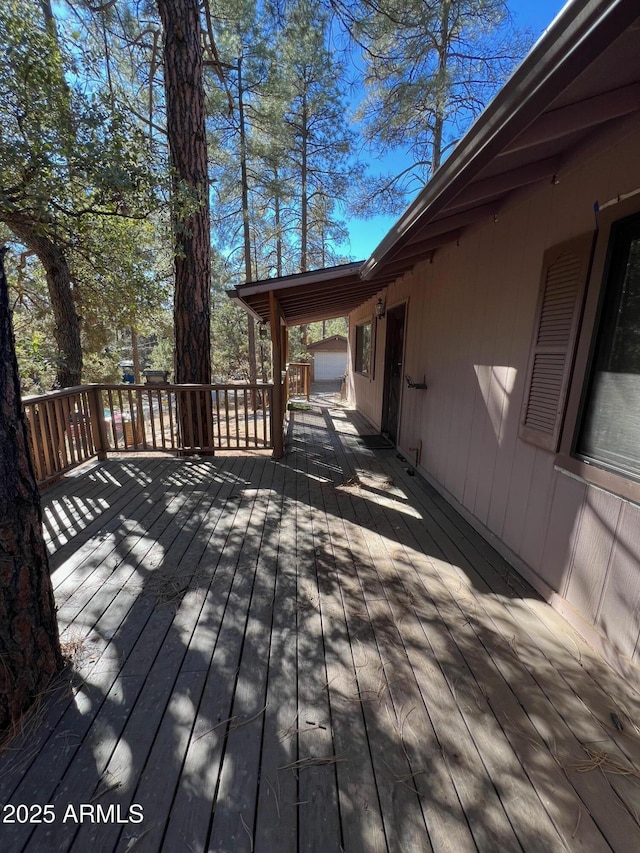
x,y
581,79
334,343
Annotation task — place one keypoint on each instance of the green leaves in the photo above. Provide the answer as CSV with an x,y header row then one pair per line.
x,y
78,177
429,70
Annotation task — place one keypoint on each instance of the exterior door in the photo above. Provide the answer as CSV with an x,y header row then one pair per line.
x,y
393,363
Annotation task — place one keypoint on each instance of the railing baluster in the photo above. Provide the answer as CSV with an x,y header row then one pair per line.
x,y
188,399
78,434
142,418
133,420
237,418
265,394
171,403
112,433
201,413
92,443
257,396
152,420
246,416
33,442
47,433
226,417
123,419
65,403
90,446
163,439
217,392
61,432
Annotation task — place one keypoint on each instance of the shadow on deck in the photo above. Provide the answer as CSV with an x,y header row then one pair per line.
x,y
311,654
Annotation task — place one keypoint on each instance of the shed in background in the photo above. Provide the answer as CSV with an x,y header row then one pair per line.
x,y
329,358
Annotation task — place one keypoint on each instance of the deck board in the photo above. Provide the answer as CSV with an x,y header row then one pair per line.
x,y
397,778
490,633
312,654
448,791
534,666
319,816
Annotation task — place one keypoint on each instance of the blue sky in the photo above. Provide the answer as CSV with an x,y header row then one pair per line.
x,y
535,15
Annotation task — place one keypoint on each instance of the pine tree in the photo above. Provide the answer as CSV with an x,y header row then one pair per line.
x,y
186,129
429,70
70,159
29,643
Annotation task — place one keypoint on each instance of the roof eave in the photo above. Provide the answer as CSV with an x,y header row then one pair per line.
x,y
581,30
250,288
233,294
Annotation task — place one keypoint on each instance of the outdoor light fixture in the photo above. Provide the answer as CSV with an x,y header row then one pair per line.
x,y
379,308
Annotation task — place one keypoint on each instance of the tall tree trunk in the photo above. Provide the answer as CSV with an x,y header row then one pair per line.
x,y
66,329
135,356
304,205
251,326
184,88
29,643
441,96
278,225
279,251
186,131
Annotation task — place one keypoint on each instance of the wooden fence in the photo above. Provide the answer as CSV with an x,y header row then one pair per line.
x,y
68,427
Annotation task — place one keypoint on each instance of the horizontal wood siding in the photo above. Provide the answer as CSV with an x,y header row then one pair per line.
x,y
471,312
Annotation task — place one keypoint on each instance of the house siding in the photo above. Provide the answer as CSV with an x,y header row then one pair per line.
x,y
470,317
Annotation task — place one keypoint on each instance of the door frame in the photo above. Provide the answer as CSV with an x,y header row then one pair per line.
x,y
386,378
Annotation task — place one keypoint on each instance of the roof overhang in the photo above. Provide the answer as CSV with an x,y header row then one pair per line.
x,y
580,80
309,296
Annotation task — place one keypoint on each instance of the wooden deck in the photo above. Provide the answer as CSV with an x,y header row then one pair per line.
x,y
312,654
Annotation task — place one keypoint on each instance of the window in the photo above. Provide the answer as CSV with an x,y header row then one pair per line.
x,y
609,432
363,348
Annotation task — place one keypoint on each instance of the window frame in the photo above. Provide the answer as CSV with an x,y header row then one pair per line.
x,y
357,354
568,459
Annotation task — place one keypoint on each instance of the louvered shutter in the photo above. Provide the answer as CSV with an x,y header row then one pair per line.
x,y
563,281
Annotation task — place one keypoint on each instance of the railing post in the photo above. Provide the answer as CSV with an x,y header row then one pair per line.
x,y
97,421
277,419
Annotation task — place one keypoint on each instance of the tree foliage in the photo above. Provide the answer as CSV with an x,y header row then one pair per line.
x,y
76,176
429,69
84,157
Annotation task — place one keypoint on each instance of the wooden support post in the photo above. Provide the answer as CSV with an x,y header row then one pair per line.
x,y
285,363
96,410
277,415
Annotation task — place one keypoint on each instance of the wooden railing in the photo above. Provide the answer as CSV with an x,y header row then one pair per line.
x,y
68,427
299,379
60,430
